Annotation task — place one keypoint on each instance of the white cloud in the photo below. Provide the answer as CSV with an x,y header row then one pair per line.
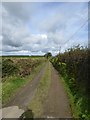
x,y
36,28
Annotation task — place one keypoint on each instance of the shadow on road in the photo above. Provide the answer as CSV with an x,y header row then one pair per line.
x,y
27,114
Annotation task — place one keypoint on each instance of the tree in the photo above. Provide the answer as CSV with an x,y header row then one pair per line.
x,y
48,55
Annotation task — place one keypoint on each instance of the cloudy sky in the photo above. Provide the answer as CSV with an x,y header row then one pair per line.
x,y
36,28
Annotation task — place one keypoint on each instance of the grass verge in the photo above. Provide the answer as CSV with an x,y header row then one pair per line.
x,y
71,98
12,85
41,93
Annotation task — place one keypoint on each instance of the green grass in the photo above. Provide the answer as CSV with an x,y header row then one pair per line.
x,y
41,93
10,86
14,83
74,109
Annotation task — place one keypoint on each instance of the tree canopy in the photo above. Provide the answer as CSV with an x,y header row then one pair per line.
x,y
48,55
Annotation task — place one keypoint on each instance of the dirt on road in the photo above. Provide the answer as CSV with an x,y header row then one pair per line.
x,y
57,103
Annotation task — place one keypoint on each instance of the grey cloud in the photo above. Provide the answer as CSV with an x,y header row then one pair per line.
x,y
53,24
45,49
7,40
56,38
17,10
7,48
17,34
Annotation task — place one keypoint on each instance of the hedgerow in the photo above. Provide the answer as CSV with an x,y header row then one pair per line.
x,y
73,65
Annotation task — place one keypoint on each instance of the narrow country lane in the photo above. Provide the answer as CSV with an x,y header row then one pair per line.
x,y
57,103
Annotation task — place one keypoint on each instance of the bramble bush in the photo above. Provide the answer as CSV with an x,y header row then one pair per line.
x,y
18,67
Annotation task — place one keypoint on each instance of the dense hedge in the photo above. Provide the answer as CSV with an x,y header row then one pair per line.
x,y
73,65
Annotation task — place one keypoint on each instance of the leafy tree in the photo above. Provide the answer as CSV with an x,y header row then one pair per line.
x,y
48,55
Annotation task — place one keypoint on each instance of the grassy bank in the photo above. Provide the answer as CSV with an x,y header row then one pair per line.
x,y
71,98
75,106
41,93
13,83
